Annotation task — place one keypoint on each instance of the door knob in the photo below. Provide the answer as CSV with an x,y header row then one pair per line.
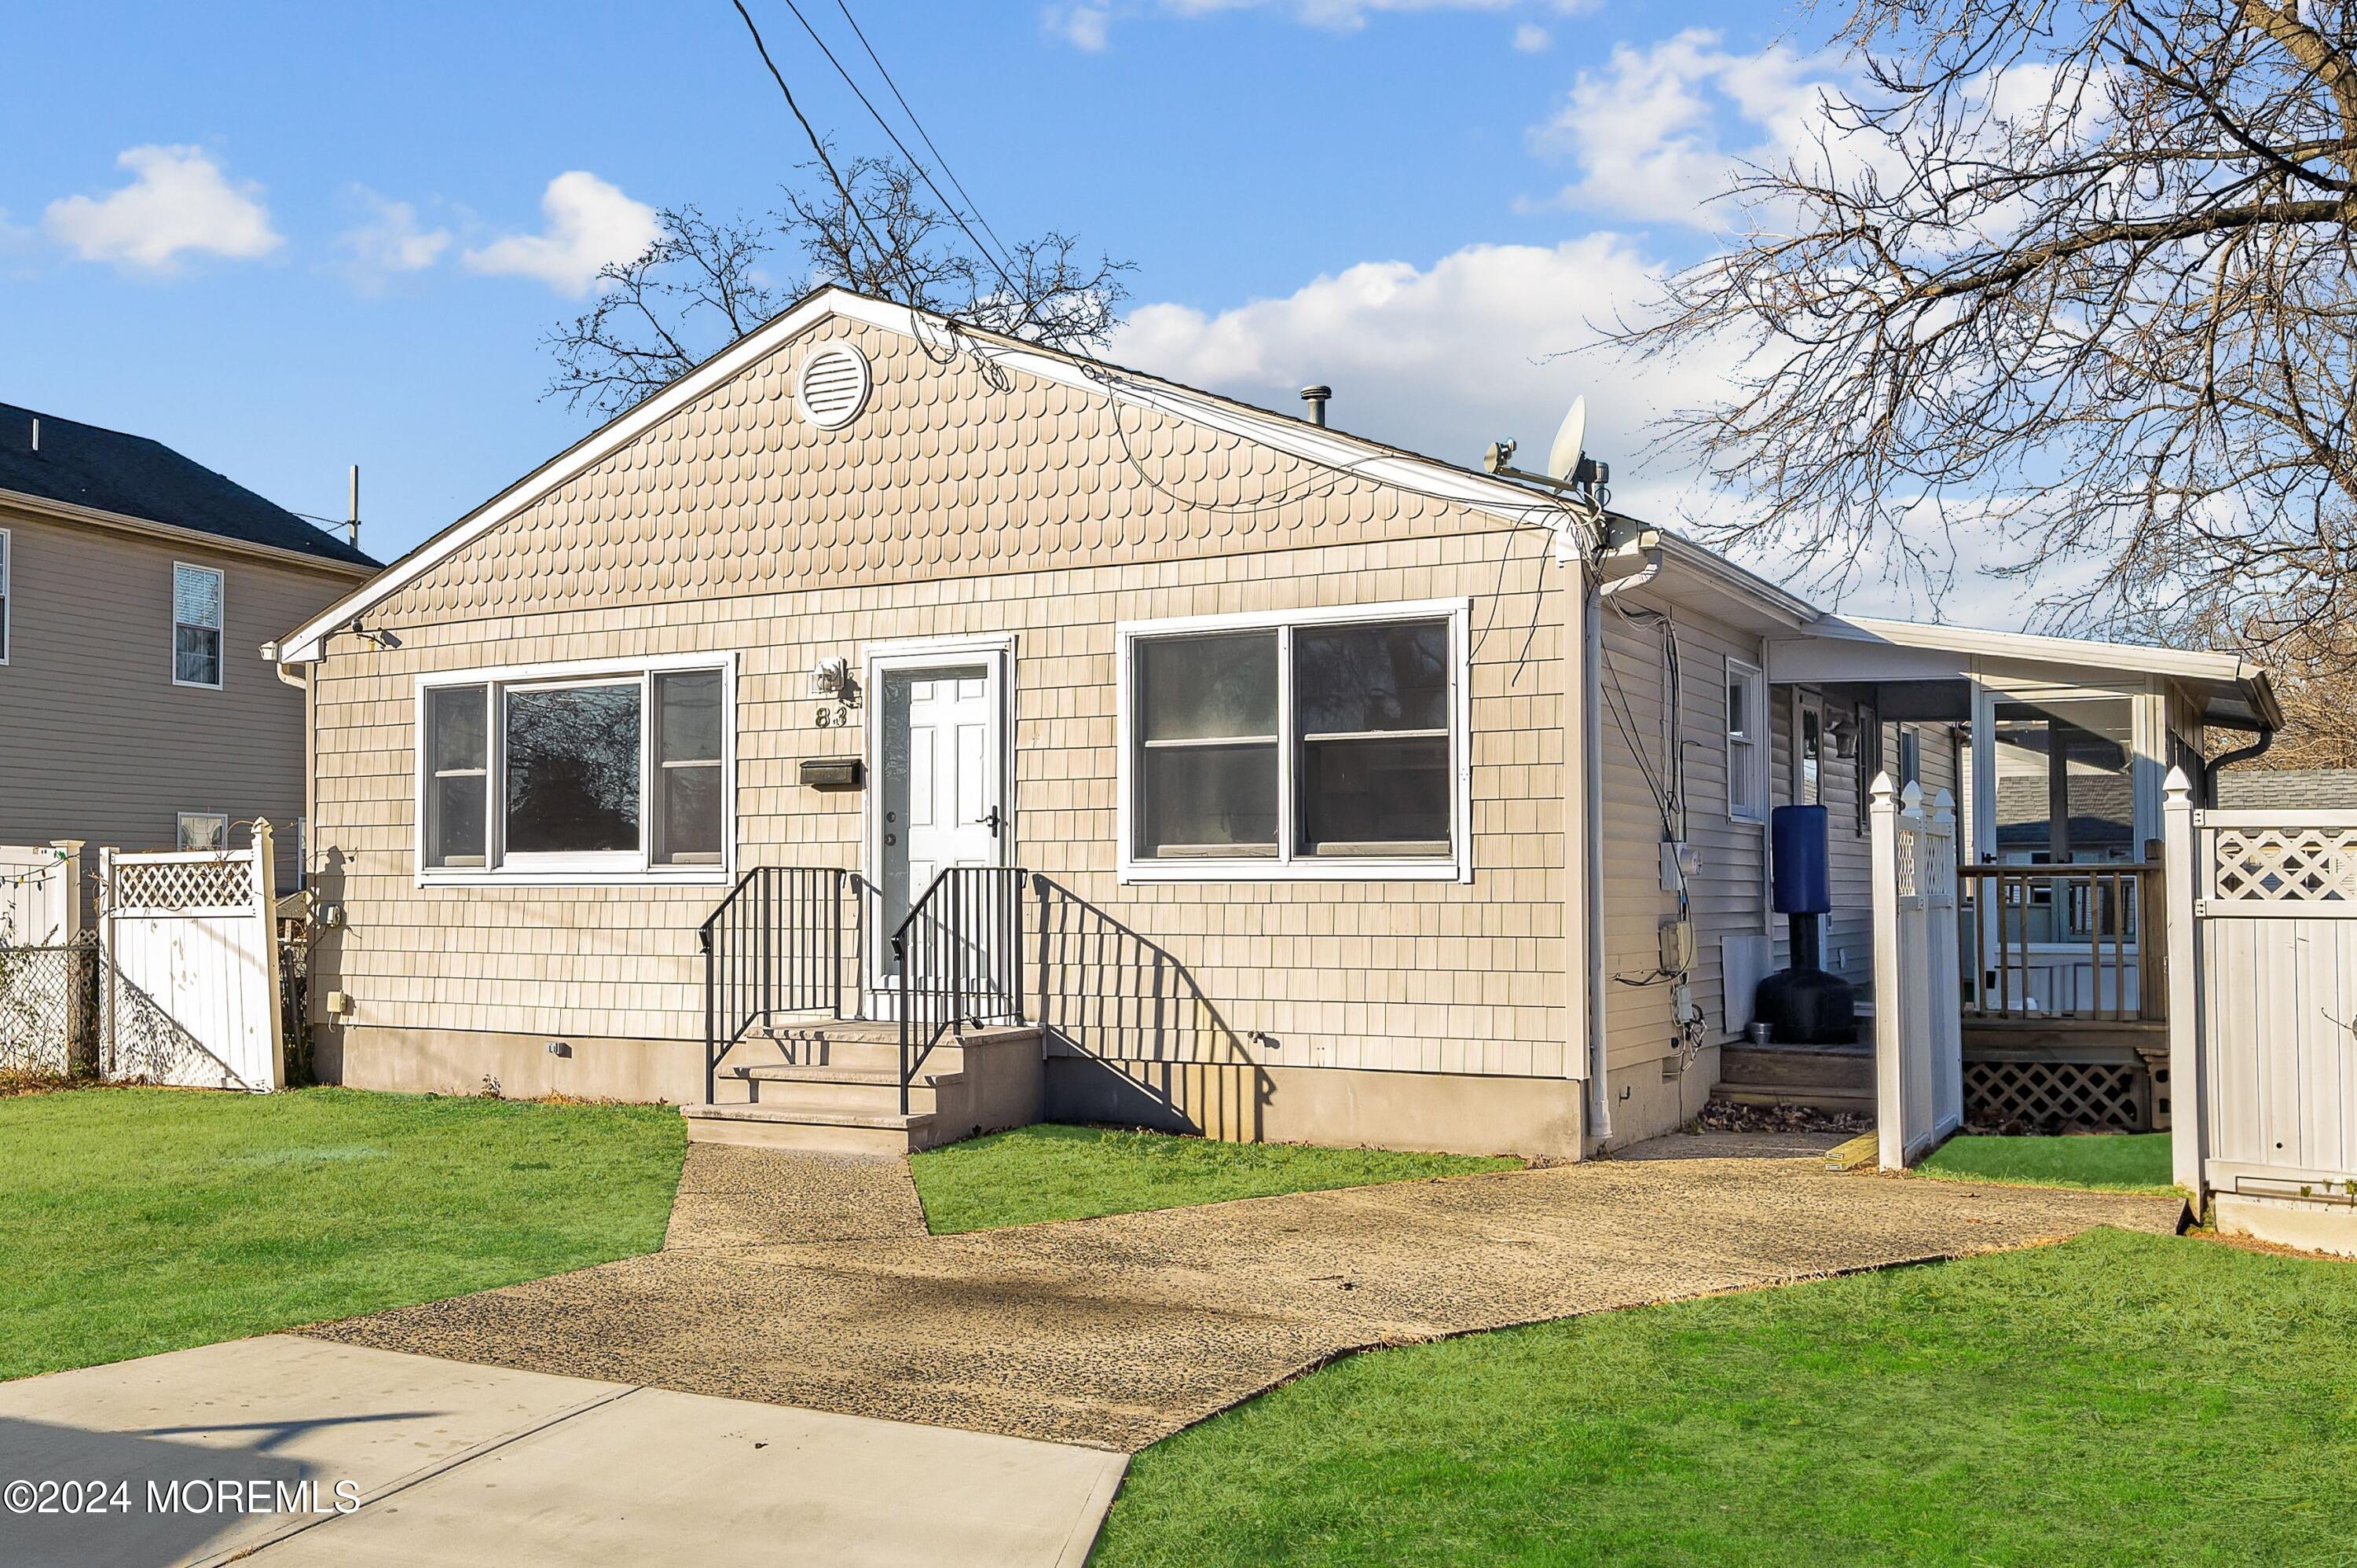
x,y
993,822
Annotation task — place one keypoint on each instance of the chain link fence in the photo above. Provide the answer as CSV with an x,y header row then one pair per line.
x,y
49,1007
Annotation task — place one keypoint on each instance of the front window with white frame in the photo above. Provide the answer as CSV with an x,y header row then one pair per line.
x,y
587,772
1747,741
198,595
1311,744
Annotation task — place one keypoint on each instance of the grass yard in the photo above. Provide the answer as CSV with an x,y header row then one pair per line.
x,y
2109,1162
139,1220
1050,1172
2119,1398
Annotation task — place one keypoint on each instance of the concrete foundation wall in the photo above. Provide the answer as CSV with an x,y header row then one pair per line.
x,y
2290,1222
456,1061
1443,1112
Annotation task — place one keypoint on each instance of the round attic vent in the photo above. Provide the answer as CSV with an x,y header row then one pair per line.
x,y
832,386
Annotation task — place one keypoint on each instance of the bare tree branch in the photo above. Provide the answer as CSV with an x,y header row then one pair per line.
x,y
702,285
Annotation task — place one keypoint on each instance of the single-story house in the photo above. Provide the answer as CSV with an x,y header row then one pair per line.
x,y
1359,795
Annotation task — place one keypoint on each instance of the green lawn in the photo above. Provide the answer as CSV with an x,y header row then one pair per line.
x,y
2120,1162
138,1220
2121,1398
1075,1173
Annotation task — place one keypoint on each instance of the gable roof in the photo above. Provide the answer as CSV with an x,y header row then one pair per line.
x,y
90,469
1333,448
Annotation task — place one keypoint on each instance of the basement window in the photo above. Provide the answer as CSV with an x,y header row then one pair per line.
x,y
1305,744
585,773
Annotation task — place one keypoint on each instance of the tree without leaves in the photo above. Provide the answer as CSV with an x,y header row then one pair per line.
x,y
701,285
2068,280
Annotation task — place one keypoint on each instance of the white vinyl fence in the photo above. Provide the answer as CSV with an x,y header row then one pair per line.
x,y
191,979
38,906
2265,982
1919,1052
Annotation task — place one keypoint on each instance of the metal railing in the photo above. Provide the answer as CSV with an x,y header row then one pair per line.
x,y
959,960
2062,942
788,940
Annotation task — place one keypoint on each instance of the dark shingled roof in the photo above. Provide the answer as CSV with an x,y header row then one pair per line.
x,y
2293,789
82,464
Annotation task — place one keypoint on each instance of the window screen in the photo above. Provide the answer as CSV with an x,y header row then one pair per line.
x,y
1207,741
1372,711
457,743
687,769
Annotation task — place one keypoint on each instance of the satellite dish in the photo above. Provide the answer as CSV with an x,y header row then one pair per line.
x,y
1570,441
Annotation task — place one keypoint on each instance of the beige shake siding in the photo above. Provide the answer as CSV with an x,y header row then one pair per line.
x,y
957,503
100,744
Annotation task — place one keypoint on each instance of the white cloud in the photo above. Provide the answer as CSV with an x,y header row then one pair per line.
x,y
1656,132
389,241
1082,27
590,223
1443,360
177,202
1085,26
1529,38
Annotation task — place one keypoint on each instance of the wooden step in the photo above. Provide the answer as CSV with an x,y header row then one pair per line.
x,y
1828,1099
1842,1068
811,1132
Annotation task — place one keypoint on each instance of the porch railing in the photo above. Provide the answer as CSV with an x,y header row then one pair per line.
x,y
787,942
2078,942
959,960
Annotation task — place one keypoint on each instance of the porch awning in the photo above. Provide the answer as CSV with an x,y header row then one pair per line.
x,y
2233,692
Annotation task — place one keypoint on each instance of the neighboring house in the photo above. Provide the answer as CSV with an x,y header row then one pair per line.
x,y
135,586
2295,788
1345,788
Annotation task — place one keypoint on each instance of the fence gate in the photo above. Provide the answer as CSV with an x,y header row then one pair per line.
x,y
1918,1087
191,988
2276,942
46,963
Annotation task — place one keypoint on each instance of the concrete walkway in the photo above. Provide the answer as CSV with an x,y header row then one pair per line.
x,y
459,1464
801,1281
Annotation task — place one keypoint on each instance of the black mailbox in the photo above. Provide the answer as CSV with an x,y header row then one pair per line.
x,y
832,772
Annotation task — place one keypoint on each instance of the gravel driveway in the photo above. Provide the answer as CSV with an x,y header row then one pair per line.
x,y
804,1282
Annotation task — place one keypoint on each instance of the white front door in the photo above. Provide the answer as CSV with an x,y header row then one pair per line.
x,y
942,771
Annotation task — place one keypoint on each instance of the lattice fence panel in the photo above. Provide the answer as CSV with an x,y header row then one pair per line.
x,y
2284,865
2111,1097
177,886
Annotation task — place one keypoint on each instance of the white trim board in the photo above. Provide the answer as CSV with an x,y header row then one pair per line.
x,y
1317,444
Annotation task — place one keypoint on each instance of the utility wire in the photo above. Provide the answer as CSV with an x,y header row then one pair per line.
x,y
817,145
923,135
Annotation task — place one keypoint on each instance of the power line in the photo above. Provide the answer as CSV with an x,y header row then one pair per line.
x,y
956,217
817,146
923,135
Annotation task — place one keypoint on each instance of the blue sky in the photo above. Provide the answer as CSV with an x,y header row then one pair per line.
x,y
286,237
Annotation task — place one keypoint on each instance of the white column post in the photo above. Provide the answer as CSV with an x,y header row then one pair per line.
x,y
1947,979
1889,1040
265,911
103,916
2182,849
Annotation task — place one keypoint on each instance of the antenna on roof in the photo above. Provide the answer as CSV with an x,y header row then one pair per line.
x,y
352,519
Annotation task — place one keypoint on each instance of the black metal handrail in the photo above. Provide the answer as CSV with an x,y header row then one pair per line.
x,y
958,953
782,943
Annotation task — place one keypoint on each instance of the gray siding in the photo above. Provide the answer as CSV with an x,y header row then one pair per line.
x,y
101,745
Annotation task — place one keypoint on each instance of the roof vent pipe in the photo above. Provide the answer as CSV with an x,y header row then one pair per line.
x,y
36,432
1316,398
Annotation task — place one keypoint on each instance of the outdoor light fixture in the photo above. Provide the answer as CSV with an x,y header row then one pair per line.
x,y
831,676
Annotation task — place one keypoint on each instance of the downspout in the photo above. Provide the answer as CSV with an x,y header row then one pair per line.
x,y
299,677
1591,751
2250,752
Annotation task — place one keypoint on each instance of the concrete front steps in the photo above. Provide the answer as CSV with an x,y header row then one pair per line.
x,y
1832,1079
833,1088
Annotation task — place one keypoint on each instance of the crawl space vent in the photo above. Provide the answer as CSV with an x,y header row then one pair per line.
x,y
832,386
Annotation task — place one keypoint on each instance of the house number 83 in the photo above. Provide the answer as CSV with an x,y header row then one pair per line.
x,y
831,716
